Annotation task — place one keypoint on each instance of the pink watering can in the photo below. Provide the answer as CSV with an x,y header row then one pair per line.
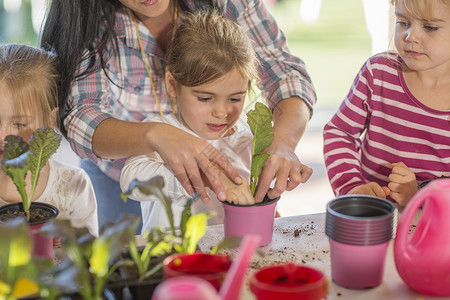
x,y
423,259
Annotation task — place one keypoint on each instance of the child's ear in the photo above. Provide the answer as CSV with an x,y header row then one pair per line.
x,y
54,118
171,84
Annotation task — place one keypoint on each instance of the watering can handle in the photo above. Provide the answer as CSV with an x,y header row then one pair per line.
x,y
407,216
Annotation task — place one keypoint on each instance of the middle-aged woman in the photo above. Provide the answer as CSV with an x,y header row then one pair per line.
x,y
111,59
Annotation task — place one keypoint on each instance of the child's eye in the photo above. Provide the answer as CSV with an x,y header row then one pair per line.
x,y
402,23
236,99
430,28
19,125
204,99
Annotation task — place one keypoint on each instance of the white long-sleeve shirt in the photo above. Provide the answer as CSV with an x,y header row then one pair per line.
x,y
236,147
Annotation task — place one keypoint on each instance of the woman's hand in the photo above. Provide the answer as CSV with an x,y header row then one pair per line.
x,y
284,165
190,157
402,183
290,118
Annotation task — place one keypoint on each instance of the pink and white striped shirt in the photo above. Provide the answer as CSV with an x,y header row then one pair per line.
x,y
380,122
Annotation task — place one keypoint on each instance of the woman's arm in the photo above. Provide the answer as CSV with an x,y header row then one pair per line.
x,y
186,155
286,87
290,119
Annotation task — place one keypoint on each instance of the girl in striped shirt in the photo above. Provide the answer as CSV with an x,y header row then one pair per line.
x,y
391,133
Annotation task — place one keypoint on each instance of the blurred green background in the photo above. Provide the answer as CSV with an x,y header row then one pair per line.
x,y
334,47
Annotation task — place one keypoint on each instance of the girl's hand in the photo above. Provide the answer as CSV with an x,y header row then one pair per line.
x,y
402,183
284,165
57,242
372,189
238,194
190,157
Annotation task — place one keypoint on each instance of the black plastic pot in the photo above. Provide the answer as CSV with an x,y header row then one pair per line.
x,y
126,281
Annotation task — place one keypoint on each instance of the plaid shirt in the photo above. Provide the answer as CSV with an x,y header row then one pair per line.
x,y
94,98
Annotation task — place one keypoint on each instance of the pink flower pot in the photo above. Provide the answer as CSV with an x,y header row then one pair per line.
x,y
42,245
357,267
241,220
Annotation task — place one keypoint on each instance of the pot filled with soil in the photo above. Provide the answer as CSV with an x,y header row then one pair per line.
x,y
127,279
256,219
40,213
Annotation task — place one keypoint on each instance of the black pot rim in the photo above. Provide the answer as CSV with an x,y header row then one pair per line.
x,y
41,205
389,207
266,201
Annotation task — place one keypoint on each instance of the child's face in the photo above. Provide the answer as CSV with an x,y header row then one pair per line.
x,y
211,110
13,121
423,45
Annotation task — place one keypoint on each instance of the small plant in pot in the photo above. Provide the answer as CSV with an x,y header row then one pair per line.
x,y
88,267
20,159
257,219
177,245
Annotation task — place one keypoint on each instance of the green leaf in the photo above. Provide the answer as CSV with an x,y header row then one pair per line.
x,y
227,243
17,175
15,146
260,122
154,187
258,162
186,214
195,229
100,258
43,144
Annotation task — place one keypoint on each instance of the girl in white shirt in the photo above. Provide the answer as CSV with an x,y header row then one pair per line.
x,y
28,101
210,68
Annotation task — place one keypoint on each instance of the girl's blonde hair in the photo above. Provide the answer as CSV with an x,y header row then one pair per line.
x,y
207,46
30,78
422,9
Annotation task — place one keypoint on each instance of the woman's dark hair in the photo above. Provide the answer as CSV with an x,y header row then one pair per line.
x,y
79,31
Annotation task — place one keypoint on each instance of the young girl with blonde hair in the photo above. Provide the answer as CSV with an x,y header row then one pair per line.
x,y
210,68
391,134
28,101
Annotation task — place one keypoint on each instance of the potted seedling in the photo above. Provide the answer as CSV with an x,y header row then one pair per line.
x,y
19,269
181,241
20,160
88,264
240,220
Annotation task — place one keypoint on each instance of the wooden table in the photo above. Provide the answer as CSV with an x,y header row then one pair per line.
x,y
302,240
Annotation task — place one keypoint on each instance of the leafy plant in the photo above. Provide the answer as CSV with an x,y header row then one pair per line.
x,y
19,158
192,227
19,270
260,122
90,261
181,240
